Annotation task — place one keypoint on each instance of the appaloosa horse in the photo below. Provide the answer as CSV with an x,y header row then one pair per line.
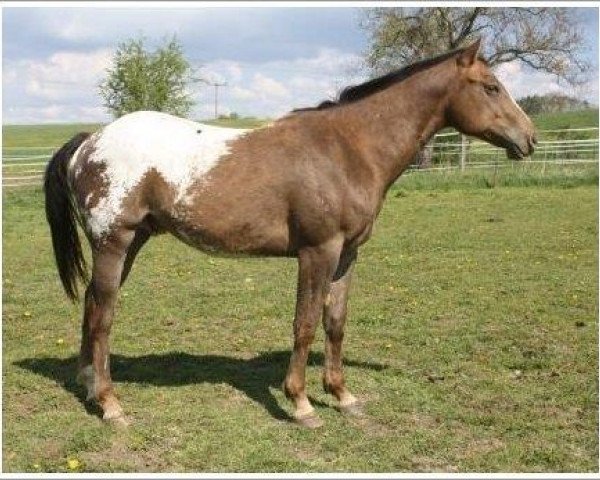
x,y
309,185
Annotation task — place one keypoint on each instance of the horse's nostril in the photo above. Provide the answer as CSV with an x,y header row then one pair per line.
x,y
534,139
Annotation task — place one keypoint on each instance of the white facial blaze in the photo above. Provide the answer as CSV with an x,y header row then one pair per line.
x,y
515,103
180,150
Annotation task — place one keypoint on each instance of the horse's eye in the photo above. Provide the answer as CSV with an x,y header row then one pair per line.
x,y
491,89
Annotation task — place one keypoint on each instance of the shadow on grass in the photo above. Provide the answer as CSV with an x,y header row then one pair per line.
x,y
252,376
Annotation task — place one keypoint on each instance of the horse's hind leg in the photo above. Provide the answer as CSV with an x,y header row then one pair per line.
x,y
334,319
142,235
100,299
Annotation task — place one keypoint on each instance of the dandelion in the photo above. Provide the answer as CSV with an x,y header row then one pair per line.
x,y
73,464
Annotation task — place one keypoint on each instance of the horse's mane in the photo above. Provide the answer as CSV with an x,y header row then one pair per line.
x,y
354,93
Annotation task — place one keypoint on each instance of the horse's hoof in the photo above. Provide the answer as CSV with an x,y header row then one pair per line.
x,y
120,421
115,417
354,409
311,421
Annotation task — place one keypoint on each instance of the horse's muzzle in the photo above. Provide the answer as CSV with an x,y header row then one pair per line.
x,y
518,150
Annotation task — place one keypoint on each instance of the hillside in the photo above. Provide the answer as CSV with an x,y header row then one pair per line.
x,y
563,120
50,135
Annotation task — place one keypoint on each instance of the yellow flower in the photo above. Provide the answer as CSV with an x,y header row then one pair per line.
x,y
73,464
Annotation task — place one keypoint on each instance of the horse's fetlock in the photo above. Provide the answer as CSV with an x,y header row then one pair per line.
x,y
291,388
87,378
105,394
333,383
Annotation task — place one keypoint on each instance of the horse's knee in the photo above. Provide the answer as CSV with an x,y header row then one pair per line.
x,y
334,326
304,335
334,333
335,319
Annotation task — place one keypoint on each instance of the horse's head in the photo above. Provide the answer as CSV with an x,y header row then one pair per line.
x,y
479,105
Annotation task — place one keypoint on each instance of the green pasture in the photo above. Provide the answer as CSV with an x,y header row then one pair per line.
x,y
52,135
567,120
473,338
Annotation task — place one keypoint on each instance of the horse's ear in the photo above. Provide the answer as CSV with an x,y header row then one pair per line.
x,y
467,57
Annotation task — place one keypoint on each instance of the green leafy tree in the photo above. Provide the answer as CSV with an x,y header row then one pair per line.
x,y
139,79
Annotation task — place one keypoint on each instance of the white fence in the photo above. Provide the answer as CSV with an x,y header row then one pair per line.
x,y
23,166
446,152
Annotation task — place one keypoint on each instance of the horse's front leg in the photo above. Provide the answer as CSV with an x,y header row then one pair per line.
x,y
317,266
334,319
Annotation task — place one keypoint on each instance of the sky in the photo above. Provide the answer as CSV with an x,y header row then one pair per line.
x,y
273,59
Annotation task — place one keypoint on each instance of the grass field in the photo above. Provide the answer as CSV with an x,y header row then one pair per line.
x,y
567,120
52,135
473,336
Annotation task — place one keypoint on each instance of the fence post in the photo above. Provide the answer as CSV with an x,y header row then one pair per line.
x,y
463,152
544,163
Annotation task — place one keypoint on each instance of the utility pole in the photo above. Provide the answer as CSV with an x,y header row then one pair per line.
x,y
216,85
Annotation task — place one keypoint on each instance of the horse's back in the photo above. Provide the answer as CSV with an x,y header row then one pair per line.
x,y
141,155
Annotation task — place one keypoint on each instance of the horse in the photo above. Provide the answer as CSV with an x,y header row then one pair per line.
x,y
307,186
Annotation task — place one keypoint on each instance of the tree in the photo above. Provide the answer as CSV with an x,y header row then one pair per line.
x,y
546,39
550,103
142,80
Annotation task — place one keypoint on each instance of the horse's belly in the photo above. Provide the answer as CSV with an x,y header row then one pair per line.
x,y
232,234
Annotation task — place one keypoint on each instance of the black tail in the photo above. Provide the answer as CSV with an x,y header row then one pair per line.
x,y
62,217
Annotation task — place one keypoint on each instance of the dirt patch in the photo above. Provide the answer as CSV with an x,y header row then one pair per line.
x,y
423,421
370,426
482,446
426,464
120,456
24,405
303,455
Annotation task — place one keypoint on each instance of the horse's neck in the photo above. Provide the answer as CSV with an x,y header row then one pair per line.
x,y
393,125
